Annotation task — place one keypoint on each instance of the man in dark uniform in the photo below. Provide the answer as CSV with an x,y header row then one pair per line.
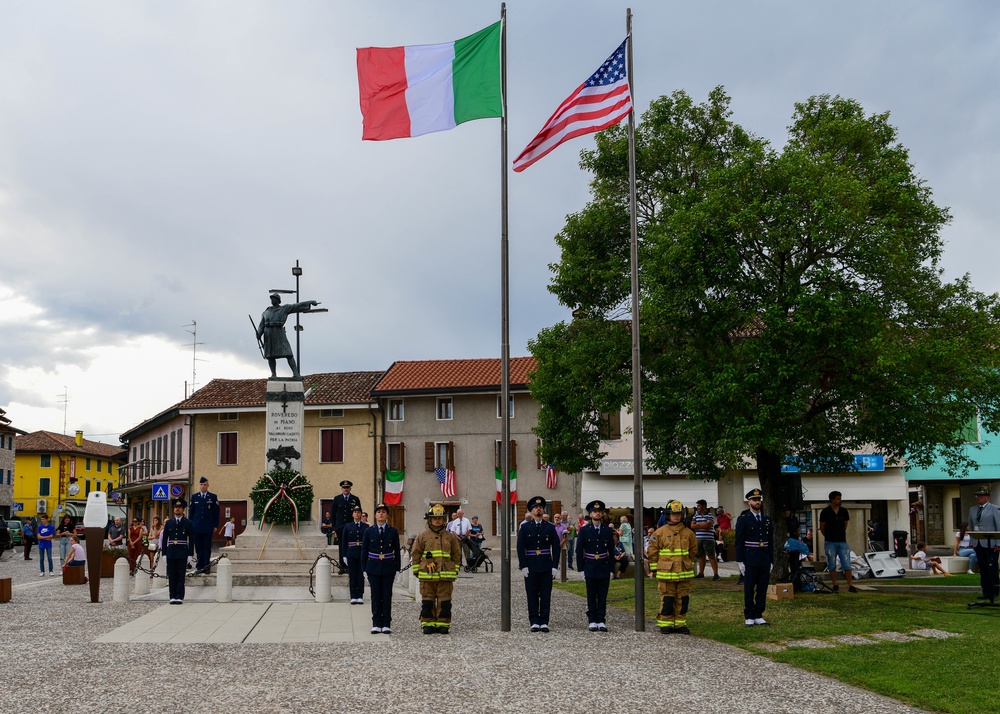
x,y
380,546
755,556
343,510
595,545
353,533
538,551
204,514
178,532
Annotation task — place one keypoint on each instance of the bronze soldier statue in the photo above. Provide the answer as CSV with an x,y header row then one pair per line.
x,y
271,332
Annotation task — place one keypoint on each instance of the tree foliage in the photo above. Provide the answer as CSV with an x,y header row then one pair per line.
x,y
791,300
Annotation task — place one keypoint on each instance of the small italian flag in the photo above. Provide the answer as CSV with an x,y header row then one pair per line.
x,y
393,487
513,486
409,91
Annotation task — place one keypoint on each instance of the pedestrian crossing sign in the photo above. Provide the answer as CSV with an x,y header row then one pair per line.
x,y
160,492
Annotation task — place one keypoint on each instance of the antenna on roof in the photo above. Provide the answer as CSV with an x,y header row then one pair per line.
x,y
64,400
194,355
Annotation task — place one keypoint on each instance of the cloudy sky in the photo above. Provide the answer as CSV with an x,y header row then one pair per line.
x,y
167,163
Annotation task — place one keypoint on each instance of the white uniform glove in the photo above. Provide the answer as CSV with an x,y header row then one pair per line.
x,y
743,568
524,572
555,572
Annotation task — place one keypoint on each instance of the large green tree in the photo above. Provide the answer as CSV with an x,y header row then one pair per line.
x,y
791,300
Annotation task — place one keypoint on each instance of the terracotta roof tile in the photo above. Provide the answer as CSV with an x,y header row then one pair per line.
x,y
453,375
47,442
327,388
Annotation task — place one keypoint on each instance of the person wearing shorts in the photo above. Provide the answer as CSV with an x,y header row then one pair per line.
x,y
703,525
833,522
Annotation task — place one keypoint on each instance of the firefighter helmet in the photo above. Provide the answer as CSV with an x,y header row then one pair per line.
x,y
436,510
675,506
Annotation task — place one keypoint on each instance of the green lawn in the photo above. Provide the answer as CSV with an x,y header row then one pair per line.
x,y
939,675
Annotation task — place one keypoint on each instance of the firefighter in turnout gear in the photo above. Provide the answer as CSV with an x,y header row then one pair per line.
x,y
672,551
436,557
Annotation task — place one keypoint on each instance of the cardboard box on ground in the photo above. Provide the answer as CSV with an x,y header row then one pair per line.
x,y
780,591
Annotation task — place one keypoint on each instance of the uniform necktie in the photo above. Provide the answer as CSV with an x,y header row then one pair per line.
x,y
381,531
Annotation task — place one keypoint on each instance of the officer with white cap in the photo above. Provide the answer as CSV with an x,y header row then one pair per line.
x,y
755,557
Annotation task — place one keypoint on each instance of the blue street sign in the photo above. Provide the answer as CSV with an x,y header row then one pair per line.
x,y
17,506
160,492
862,462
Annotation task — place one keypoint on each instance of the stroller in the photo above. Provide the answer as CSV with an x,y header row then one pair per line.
x,y
477,557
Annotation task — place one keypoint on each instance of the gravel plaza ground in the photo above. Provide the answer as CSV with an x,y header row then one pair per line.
x,y
49,639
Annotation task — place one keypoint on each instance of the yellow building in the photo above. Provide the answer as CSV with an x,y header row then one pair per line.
x,y
227,423
54,473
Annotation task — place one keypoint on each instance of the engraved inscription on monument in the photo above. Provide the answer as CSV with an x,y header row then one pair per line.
x,y
285,421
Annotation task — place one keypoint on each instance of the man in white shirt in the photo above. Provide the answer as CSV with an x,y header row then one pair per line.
x,y
460,526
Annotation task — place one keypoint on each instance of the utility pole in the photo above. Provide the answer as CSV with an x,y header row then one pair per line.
x,y
64,400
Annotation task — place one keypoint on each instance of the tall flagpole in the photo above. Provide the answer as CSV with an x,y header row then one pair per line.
x,y
504,505
637,451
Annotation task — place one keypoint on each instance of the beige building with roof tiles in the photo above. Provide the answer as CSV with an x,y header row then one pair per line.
x,y
446,414
224,428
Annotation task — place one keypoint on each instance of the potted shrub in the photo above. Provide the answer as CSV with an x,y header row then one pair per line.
x,y
108,558
729,544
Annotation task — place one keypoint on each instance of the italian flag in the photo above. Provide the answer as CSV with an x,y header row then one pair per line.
x,y
513,485
409,91
393,488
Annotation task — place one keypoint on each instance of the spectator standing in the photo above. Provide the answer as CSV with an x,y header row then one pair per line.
x,y
645,551
561,529
116,534
46,534
755,556
154,541
724,518
621,559
571,529
136,532
229,531
459,527
476,532
63,532
703,525
833,522
625,535
985,516
963,546
28,536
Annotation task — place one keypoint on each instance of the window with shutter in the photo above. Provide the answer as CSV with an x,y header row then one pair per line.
x,y
428,456
538,455
228,441
331,450
611,426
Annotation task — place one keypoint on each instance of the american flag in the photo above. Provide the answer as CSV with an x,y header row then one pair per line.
x,y
446,477
551,475
602,101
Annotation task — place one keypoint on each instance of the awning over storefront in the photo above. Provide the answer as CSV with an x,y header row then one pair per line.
x,y
889,485
616,491
71,508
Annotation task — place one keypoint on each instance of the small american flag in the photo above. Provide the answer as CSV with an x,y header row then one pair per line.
x,y
551,476
446,477
602,101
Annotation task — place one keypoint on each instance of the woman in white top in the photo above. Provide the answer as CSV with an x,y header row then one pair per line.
x,y
963,545
77,555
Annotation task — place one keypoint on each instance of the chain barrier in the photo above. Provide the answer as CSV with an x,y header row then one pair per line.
x,y
312,570
151,571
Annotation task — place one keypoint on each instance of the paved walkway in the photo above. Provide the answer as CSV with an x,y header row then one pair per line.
x,y
183,657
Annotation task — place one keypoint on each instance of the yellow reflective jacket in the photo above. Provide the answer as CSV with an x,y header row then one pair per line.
x,y
436,555
672,551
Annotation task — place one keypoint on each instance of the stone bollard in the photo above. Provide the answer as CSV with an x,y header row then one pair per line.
x,y
224,581
121,580
323,577
141,583
161,571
